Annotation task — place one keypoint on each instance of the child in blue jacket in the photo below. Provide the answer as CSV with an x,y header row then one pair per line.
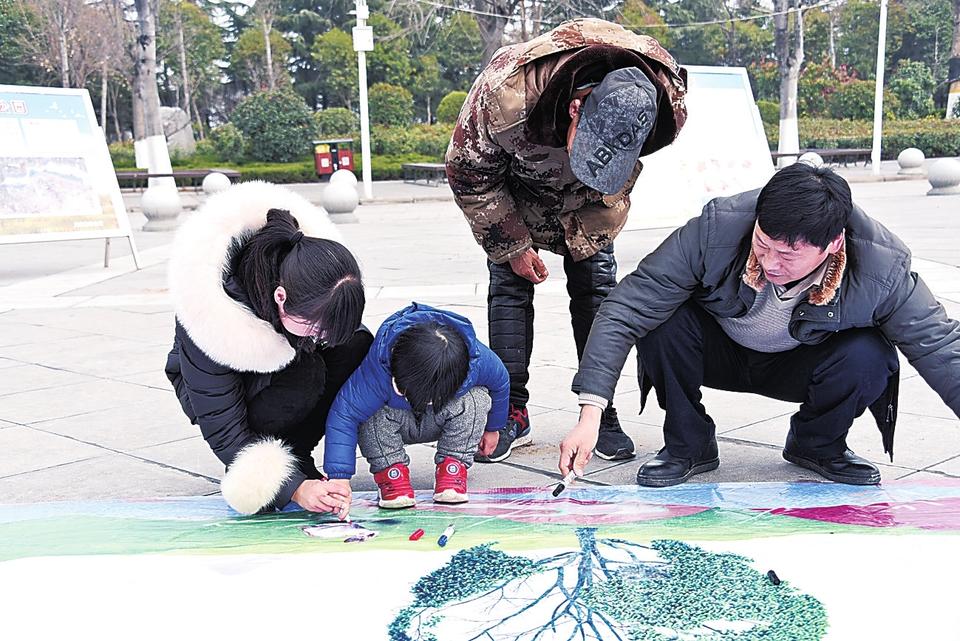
x,y
426,378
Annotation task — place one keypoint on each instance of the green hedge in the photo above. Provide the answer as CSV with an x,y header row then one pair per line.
x,y
933,136
384,168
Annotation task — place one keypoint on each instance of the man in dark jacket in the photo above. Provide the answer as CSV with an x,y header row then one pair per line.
x,y
790,292
544,156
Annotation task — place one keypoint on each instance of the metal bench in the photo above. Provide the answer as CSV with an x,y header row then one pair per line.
x,y
433,173
184,178
830,156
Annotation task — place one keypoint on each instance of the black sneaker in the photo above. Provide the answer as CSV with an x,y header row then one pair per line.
x,y
612,443
515,434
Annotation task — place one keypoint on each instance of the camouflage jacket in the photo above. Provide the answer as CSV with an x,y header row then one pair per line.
x,y
512,177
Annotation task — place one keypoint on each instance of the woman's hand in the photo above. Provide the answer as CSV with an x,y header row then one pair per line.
x,y
488,442
324,496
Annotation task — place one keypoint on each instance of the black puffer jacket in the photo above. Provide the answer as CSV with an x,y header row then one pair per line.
x,y
709,261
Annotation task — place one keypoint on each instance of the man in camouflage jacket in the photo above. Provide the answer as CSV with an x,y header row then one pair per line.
x,y
509,166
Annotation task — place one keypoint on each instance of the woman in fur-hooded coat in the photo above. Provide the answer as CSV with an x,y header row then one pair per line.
x,y
268,305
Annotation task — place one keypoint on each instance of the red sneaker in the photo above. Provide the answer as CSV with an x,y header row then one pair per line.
x,y
395,489
451,484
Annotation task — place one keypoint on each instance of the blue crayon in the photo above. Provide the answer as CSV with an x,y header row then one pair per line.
x,y
442,541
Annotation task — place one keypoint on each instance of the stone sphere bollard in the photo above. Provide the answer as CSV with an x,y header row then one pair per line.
x,y
340,198
344,176
944,177
161,205
911,162
812,158
214,183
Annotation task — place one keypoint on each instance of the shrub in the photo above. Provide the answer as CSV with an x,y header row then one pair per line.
x,y
336,122
765,80
913,85
277,125
956,109
123,155
228,143
933,136
769,111
449,107
854,101
390,105
427,140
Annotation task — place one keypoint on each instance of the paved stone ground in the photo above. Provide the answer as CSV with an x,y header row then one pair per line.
x,y
86,413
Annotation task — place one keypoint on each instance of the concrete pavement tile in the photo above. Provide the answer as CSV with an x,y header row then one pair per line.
x,y
920,441
113,476
25,378
154,378
16,333
73,400
951,467
916,397
124,428
190,454
923,475
25,449
97,356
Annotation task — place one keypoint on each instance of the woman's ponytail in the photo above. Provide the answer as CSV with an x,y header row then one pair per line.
x,y
261,261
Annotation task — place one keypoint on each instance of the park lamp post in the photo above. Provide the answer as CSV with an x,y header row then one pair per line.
x,y
878,94
362,43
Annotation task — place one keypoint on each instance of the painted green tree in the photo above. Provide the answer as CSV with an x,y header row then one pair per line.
x,y
609,589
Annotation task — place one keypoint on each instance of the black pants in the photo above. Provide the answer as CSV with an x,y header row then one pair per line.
x,y
510,311
295,405
834,381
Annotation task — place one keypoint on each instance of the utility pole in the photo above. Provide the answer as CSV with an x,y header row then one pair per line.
x,y
362,43
878,94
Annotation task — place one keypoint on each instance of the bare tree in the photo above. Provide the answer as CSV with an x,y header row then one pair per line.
x,y
54,42
789,59
492,18
954,68
266,12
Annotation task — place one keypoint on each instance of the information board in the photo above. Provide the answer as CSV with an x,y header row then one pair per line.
x,y
57,181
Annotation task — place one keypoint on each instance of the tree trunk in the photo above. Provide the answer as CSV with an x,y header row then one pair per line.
x,y
103,97
429,115
789,60
184,76
64,57
116,116
199,120
136,95
953,73
491,27
271,81
523,21
147,62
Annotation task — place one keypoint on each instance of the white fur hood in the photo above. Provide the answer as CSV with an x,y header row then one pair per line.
x,y
227,331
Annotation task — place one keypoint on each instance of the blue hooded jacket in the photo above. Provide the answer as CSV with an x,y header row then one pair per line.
x,y
370,387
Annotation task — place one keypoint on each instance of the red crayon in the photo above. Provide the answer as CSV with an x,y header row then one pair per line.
x,y
416,534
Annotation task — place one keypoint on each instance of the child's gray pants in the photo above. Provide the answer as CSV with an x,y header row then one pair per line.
x,y
457,429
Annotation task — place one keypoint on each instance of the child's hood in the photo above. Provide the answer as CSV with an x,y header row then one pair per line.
x,y
414,314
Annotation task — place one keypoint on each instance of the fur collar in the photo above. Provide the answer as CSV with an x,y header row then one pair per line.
x,y
228,331
819,294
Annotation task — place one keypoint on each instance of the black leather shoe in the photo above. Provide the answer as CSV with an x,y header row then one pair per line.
x,y
612,443
665,469
843,468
